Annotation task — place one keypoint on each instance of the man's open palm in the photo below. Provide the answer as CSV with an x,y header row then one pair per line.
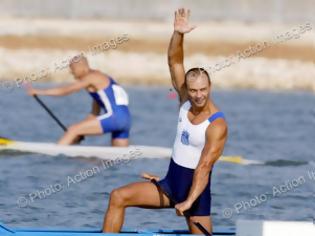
x,y
181,23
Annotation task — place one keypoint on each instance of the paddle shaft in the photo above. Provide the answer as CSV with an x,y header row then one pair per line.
x,y
53,116
50,112
186,214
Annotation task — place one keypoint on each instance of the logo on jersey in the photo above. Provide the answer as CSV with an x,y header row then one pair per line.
x,y
185,137
180,119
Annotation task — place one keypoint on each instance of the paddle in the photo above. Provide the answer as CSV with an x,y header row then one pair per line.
x,y
186,214
53,116
50,112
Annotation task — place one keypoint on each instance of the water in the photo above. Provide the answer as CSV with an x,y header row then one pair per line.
x,y
277,128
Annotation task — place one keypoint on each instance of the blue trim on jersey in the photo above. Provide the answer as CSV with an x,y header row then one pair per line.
x,y
177,184
110,94
119,122
216,115
96,97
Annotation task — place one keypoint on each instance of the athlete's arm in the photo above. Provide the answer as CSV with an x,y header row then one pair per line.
x,y
216,136
61,91
94,112
176,52
95,108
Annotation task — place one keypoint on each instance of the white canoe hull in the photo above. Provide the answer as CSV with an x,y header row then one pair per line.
x,y
88,151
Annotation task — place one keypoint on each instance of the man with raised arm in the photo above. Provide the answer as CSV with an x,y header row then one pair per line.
x,y
107,95
200,140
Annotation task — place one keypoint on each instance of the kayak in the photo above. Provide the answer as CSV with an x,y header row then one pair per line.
x,y
101,152
5,231
105,153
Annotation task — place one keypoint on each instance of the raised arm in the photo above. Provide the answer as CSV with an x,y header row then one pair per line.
x,y
61,91
176,52
216,136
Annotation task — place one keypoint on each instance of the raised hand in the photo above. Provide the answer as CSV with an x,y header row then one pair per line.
x,y
181,22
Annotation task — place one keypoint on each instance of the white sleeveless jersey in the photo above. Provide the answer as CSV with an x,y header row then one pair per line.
x,y
190,139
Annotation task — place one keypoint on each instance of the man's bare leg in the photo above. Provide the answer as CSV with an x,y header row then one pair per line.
x,y
120,142
205,221
86,127
140,194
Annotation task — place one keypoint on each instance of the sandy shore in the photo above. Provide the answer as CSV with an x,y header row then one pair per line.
x,y
37,50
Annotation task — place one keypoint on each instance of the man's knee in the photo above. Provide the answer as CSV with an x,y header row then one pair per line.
x,y
118,198
74,130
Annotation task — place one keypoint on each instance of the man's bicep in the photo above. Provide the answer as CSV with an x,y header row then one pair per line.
x,y
216,136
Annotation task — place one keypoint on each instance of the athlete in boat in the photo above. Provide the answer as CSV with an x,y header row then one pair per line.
x,y
106,94
200,140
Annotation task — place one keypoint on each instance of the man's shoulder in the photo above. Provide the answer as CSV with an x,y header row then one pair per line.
x,y
218,128
217,121
185,105
95,76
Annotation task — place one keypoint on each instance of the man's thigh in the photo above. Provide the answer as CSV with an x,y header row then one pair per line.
x,y
142,194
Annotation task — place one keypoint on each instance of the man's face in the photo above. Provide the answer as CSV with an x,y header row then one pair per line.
x,y
198,89
78,69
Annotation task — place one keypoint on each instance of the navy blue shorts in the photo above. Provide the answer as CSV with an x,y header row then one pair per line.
x,y
177,184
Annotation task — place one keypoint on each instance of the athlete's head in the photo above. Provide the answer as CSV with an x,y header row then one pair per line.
x,y
198,84
79,66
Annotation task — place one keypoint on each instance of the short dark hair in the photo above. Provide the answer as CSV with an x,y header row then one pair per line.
x,y
197,71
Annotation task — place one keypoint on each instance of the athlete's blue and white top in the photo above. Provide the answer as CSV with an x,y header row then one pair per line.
x,y
190,139
189,143
114,102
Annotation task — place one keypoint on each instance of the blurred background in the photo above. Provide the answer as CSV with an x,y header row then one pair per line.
x,y
260,54
38,34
